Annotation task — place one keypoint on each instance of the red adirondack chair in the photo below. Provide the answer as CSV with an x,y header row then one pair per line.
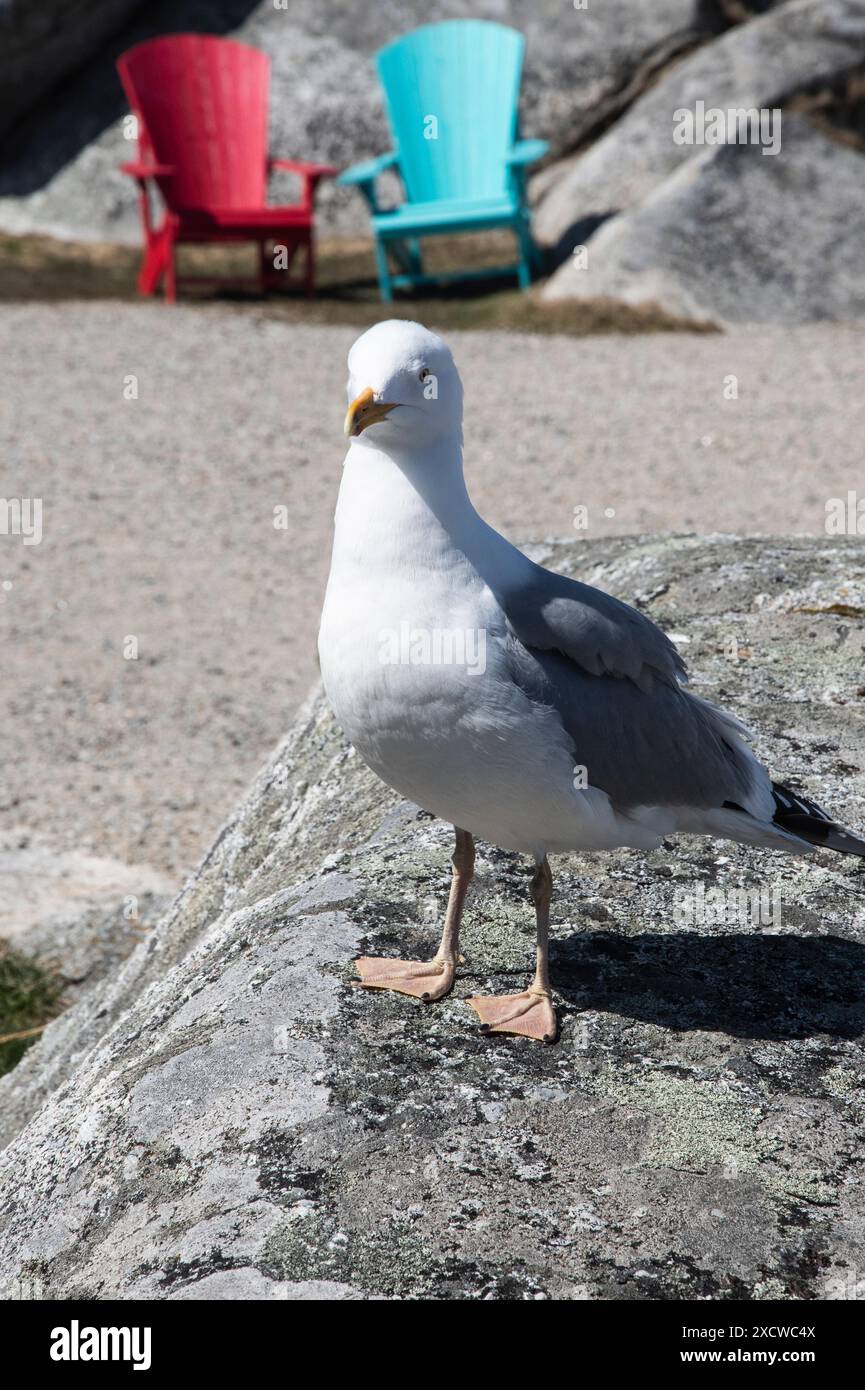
x,y
201,105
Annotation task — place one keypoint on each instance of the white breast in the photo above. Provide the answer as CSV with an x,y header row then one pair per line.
x,y
413,656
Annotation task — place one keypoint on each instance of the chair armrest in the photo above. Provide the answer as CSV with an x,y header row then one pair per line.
x,y
527,152
369,169
309,173
364,175
137,170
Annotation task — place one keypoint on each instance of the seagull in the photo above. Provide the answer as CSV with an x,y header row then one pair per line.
x,y
526,708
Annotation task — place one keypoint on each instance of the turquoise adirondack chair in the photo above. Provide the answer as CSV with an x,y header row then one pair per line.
x,y
451,93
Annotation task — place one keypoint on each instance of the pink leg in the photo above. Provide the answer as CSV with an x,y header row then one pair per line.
x,y
428,980
530,1014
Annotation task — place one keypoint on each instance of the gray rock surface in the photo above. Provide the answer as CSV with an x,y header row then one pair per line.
x,y
61,175
727,239
225,1117
794,47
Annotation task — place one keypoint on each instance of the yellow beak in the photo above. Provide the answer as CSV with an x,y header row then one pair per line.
x,y
364,410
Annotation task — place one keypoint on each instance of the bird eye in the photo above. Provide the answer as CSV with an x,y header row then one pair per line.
x,y
423,374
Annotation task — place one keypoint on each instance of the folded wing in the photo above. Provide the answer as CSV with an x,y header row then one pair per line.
x,y
616,682
598,633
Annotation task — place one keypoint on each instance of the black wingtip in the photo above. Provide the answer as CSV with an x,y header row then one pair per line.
x,y
800,816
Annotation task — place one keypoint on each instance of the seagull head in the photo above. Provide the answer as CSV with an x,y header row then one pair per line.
x,y
404,390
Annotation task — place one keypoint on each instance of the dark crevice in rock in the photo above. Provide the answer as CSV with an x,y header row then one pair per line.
x,y
590,125
711,18
836,109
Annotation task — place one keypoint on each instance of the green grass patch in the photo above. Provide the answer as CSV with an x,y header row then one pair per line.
x,y
29,998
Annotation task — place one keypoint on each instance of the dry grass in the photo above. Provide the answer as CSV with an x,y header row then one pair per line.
x,y
42,268
29,997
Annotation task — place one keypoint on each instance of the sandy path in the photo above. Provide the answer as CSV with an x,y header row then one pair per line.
x,y
158,521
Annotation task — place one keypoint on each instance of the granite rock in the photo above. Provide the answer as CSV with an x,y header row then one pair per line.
x,y
225,1116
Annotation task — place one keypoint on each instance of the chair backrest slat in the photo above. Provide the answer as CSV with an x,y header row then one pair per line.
x,y
203,104
452,94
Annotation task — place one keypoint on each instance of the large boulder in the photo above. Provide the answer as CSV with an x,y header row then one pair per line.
x,y
43,40
61,174
734,237
762,63
226,1118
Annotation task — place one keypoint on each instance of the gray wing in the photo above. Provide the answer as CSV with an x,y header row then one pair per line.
x,y
615,681
600,634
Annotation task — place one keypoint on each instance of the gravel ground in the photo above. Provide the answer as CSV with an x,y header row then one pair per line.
x,y
158,521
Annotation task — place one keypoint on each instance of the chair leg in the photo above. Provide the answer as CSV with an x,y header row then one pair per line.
x,y
407,256
385,288
415,257
264,251
151,270
280,278
309,269
526,255
153,263
170,270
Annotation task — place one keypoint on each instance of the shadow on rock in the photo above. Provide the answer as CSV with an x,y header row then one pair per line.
x,y
85,101
759,986
577,234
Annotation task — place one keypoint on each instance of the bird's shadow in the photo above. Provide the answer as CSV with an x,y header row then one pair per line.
x,y
756,986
